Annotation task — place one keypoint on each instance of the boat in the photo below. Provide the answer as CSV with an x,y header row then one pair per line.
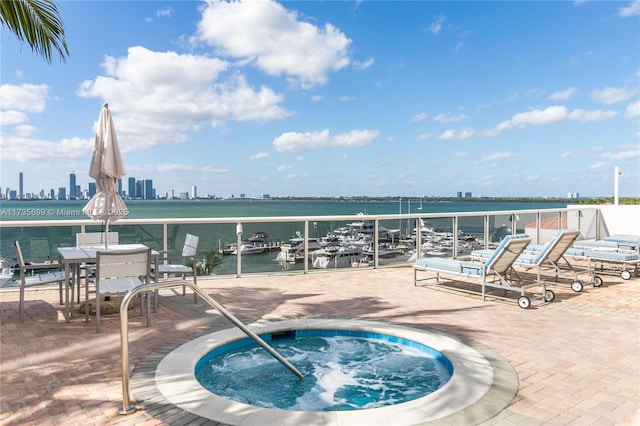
x,y
292,250
6,274
250,248
256,244
336,256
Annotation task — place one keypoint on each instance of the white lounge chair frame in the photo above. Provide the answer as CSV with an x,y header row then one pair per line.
x,y
550,259
494,273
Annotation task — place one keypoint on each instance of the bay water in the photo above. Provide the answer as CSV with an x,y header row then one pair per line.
x,y
42,242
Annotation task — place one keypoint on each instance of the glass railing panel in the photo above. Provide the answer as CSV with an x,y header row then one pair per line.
x,y
550,224
37,242
470,234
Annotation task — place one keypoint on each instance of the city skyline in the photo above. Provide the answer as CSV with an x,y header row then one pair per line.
x,y
336,98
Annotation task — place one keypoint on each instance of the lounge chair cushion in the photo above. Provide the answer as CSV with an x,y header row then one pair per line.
x,y
450,265
616,256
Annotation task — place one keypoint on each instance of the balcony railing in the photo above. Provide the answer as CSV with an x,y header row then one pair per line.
x,y
386,239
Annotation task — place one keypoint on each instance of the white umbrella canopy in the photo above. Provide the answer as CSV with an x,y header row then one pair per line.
x,y
106,168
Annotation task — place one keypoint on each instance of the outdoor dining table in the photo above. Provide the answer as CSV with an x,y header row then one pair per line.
x,y
73,257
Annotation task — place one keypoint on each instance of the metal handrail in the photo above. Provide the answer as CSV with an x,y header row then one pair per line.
x,y
127,408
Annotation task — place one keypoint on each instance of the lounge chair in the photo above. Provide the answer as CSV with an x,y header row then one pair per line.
x,y
609,262
495,272
548,258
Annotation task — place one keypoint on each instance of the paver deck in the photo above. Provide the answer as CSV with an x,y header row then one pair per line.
x,y
577,358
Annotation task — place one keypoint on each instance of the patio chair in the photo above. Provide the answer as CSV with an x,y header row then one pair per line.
x,y
495,272
549,258
48,276
96,239
182,264
92,239
117,272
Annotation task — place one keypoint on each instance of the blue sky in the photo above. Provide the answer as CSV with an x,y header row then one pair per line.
x,y
333,98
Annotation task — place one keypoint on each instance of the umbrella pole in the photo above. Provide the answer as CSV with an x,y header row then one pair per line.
x,y
106,235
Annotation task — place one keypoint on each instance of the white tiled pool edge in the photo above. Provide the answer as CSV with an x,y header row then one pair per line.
x,y
471,381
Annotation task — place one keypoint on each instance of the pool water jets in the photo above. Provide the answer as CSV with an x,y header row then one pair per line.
x,y
457,375
342,369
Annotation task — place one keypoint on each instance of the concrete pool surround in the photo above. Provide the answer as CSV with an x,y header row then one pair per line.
x,y
473,381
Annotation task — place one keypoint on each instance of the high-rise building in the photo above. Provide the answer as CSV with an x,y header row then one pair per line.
x,y
120,186
132,187
194,192
62,193
92,189
467,195
52,194
72,186
459,195
21,185
147,189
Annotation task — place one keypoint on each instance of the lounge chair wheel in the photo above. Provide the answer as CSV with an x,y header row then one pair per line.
x,y
625,275
549,296
524,302
597,281
576,286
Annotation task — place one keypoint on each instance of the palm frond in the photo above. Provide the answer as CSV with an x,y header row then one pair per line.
x,y
38,23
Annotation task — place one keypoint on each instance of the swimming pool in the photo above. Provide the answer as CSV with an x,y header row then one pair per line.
x,y
342,370
472,378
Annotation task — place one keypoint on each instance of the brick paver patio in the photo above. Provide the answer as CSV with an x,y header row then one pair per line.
x,y
577,358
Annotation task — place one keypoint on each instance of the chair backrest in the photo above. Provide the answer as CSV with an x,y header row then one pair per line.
x,y
87,239
556,248
19,257
507,252
123,263
191,246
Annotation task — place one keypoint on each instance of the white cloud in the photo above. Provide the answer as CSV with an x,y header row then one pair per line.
x,y
419,117
581,153
446,118
436,25
23,97
457,134
259,156
318,140
496,157
552,114
599,166
532,178
563,95
275,39
633,110
363,65
613,95
424,136
166,12
151,106
178,167
461,154
624,155
284,168
12,117
24,149
633,9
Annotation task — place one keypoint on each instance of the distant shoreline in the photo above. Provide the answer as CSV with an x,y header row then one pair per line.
x,y
596,200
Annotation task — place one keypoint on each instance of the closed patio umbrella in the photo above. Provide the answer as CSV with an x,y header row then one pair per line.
x,y
106,168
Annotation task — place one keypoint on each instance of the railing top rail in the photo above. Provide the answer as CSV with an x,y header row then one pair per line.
x,y
256,219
